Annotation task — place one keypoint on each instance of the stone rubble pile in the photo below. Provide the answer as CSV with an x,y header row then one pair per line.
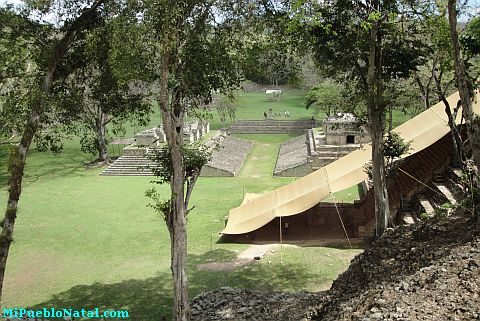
x,y
236,304
425,271
429,271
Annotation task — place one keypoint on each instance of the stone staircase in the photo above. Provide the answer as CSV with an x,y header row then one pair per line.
x,y
443,189
326,154
270,126
130,165
226,160
292,160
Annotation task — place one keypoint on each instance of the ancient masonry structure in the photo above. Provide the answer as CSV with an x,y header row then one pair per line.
x,y
227,159
271,126
302,155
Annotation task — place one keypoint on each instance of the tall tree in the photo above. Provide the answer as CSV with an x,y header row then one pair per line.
x,y
440,78
367,43
465,86
326,97
196,57
105,99
271,60
51,64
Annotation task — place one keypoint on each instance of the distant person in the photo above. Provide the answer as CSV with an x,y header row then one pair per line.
x,y
286,226
288,113
285,113
265,114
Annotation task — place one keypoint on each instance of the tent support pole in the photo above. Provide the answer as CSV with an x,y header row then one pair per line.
x,y
281,242
341,221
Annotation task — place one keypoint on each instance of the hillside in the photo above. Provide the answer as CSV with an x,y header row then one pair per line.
x,y
425,272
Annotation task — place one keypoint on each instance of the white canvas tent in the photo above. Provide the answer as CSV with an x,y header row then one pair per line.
x,y
297,197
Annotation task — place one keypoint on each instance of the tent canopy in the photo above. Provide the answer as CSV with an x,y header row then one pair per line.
x,y
258,210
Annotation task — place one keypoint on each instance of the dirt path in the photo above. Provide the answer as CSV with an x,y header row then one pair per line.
x,y
246,257
260,162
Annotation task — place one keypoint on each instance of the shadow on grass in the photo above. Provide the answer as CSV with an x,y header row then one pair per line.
x,y
151,298
41,164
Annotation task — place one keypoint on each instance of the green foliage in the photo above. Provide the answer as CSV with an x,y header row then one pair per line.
x,y
104,94
340,42
424,216
402,95
470,38
270,60
194,157
326,97
159,205
226,108
21,42
443,210
394,148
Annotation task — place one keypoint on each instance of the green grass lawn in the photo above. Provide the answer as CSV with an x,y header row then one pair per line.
x,y
83,240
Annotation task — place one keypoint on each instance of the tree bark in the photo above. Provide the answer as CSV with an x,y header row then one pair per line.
x,y
176,222
425,89
16,169
19,155
376,126
101,138
456,139
472,121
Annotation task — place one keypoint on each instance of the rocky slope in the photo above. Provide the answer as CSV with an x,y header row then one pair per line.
x,y
427,271
239,305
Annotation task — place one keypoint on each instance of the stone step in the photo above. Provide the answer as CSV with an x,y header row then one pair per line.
x,y
446,192
427,206
130,168
124,174
143,162
322,153
332,158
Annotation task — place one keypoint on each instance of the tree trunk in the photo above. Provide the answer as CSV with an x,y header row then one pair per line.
x,y
178,236
376,125
472,121
177,221
18,157
101,138
16,169
382,210
456,139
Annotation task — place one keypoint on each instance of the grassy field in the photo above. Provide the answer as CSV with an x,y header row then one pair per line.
x,y
83,240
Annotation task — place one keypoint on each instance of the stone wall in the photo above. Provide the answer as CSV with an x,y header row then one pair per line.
x,y
297,171
337,131
211,171
292,159
270,126
228,158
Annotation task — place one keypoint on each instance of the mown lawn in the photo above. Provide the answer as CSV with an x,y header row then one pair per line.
x,y
84,241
